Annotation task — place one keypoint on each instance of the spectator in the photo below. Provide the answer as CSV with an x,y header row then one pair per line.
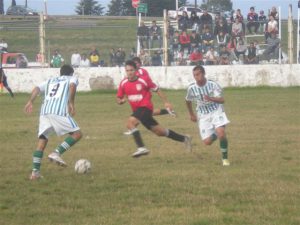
x,y
240,49
57,60
185,41
220,26
143,35
196,58
39,58
219,18
156,59
205,21
184,21
238,15
155,34
132,53
207,40
21,62
112,55
251,55
274,13
94,50
195,40
75,59
3,45
84,61
120,57
222,39
272,27
194,21
94,59
252,18
145,58
237,29
175,44
231,46
224,56
273,45
262,19
211,57
170,31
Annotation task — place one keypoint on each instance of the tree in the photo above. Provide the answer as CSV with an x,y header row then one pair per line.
x,y
182,3
224,5
115,8
89,7
13,3
1,7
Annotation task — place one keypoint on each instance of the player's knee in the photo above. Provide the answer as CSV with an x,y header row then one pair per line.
x,y
221,136
77,135
207,141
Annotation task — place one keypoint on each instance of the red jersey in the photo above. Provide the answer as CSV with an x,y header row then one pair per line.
x,y
138,92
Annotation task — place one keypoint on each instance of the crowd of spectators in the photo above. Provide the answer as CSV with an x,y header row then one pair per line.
x,y
212,41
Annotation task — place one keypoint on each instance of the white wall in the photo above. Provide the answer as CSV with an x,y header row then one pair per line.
x,y
23,80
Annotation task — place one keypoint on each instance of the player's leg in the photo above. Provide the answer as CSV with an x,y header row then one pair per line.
x,y
159,112
5,84
37,157
223,144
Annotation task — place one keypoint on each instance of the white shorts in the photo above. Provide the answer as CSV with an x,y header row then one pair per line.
x,y
59,124
207,123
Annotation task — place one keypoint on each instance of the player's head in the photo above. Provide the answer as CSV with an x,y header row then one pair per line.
x,y
66,70
199,74
137,61
130,68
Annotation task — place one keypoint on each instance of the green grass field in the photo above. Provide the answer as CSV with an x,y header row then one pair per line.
x,y
168,187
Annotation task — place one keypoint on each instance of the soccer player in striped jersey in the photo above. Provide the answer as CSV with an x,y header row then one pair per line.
x,y
55,116
137,90
211,116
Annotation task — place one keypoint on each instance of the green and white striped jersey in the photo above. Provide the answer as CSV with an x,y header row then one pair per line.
x,y
196,94
56,95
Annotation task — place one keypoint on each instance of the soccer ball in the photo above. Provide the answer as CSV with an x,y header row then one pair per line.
x,y
83,166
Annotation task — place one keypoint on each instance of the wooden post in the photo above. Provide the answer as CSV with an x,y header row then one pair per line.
x,y
290,36
298,30
165,38
42,37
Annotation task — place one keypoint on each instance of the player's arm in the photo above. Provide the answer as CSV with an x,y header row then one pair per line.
x,y
120,100
29,105
189,106
71,103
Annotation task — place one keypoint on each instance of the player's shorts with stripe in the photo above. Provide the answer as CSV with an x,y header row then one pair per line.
x,y
144,115
207,123
59,124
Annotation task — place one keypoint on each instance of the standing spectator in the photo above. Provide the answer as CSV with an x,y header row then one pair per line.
x,y
194,21
155,34
21,62
195,40
75,59
273,45
170,31
251,55
175,43
94,59
57,60
156,59
120,57
224,55
207,39
252,18
3,82
206,21
237,29
185,41
145,58
211,57
262,19
196,57
3,45
84,61
112,57
183,21
143,35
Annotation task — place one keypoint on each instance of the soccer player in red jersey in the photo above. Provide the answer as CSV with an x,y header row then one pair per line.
x,y
137,90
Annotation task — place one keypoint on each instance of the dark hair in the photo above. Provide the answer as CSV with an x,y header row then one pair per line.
x,y
130,63
136,59
66,70
201,68
252,8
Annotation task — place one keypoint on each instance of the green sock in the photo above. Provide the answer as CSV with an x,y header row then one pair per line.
x,y
213,137
224,148
36,160
68,143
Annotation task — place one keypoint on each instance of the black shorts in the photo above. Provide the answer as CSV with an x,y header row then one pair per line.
x,y
144,115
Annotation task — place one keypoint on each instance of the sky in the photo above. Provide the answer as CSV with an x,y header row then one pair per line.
x,y
67,7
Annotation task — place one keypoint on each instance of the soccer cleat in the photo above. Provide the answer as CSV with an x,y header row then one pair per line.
x,y
128,132
188,142
140,151
54,157
171,112
225,162
35,175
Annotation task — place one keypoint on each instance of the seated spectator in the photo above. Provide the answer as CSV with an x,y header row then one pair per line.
x,y
272,27
84,61
39,58
120,57
132,53
155,34
196,58
94,59
231,46
273,45
3,45
195,40
211,57
57,60
207,39
219,18
180,59
184,21
75,59
175,43
185,42
240,49
220,27
238,15
94,50
194,21
262,19
224,55
237,29
206,21
222,39
274,13
145,58
156,59
170,31
143,35
252,19
112,55
251,55
21,62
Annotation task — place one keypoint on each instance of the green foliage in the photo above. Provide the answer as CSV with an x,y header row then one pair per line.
x,y
115,8
225,5
182,3
89,7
